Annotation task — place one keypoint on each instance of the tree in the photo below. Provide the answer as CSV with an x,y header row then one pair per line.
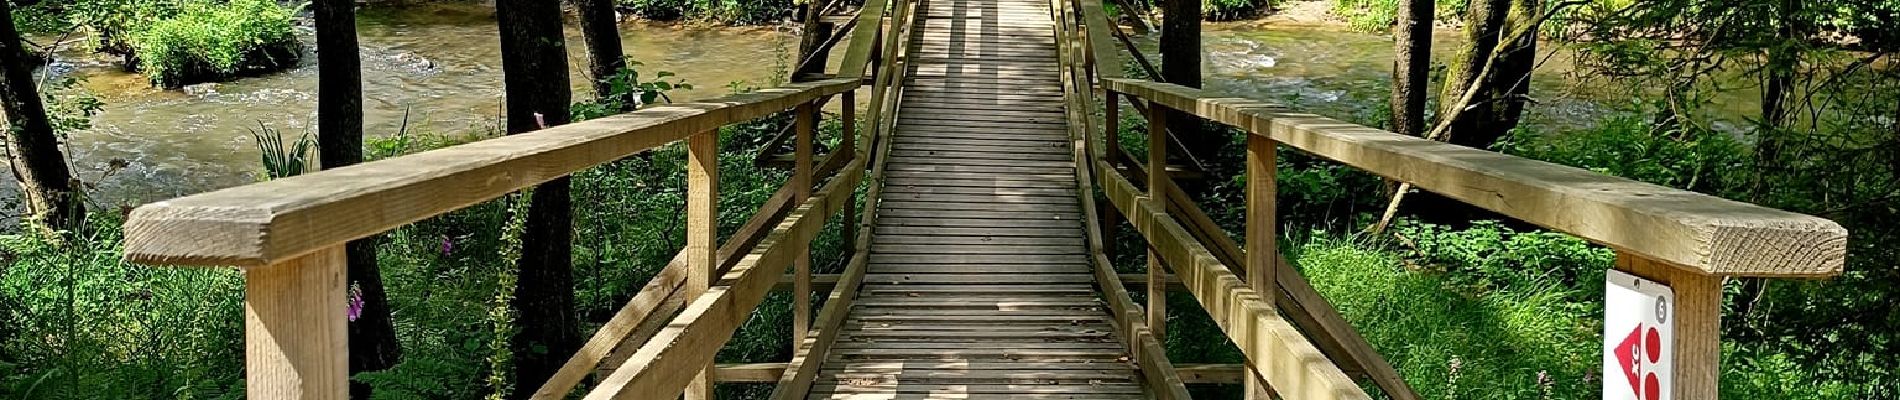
x,y
534,67
1411,66
600,29
1181,65
32,147
372,337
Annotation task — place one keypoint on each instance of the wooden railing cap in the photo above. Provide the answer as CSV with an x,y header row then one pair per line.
x,y
272,221
1695,231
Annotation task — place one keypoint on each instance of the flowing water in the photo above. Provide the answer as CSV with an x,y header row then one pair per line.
x,y
440,66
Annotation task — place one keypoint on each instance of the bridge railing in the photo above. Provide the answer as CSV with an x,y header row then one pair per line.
x,y
1686,240
287,235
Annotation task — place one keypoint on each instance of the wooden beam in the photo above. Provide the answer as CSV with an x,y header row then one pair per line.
x,y
665,363
1697,317
273,221
1706,234
748,373
1280,354
1263,250
295,338
1158,193
702,236
643,316
1298,300
1226,374
806,127
863,39
809,354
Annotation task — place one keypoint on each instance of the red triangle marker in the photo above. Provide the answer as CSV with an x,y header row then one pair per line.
x,y
1626,355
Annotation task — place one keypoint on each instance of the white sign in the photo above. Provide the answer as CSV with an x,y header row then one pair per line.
x,y
1639,340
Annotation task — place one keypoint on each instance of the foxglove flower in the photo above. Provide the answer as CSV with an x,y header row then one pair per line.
x,y
356,302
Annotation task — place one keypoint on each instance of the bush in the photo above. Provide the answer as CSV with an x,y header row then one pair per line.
x,y
1379,15
209,40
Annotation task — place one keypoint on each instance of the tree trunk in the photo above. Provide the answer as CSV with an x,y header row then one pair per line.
x,y
1484,20
600,28
372,337
1181,65
534,66
1411,66
811,44
32,147
1777,91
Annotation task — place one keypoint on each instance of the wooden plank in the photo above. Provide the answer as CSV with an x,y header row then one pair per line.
x,y
702,236
1157,180
1697,317
268,222
709,320
806,128
1282,356
293,350
864,38
1263,252
1695,231
748,373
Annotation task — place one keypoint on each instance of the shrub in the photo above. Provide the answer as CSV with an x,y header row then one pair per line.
x,y
1378,15
210,40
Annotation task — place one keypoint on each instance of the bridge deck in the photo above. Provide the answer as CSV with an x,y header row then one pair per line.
x,y
978,285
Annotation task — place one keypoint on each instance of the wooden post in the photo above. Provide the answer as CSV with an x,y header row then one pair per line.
x,y
702,229
1263,251
1111,216
1157,195
848,144
1697,314
296,345
801,190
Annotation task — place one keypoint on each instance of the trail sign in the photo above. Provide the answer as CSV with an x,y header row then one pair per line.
x,y
1638,338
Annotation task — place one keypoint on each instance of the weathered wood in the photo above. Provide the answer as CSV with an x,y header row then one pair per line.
x,y
1280,354
295,342
1697,317
1694,231
273,221
1263,253
801,181
709,320
643,315
702,235
864,38
1157,182
1298,300
748,373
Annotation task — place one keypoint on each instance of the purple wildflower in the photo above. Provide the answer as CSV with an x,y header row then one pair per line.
x,y
356,302
448,245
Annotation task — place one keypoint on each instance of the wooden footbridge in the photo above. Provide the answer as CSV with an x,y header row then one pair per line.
x,y
977,272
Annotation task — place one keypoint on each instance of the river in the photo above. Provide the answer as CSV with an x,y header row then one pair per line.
x,y
440,64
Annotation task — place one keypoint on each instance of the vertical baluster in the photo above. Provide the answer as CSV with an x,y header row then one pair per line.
x,y
1157,197
801,190
1111,140
847,145
1263,252
702,219
296,345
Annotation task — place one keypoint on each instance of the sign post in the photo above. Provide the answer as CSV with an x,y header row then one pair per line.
x,y
1638,338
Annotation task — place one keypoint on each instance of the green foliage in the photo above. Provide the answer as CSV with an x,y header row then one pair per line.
x,y
77,323
735,12
625,85
1453,340
213,40
278,159
1379,15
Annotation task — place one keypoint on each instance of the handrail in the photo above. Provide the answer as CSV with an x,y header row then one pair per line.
x,y
1685,240
276,221
288,234
1699,232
